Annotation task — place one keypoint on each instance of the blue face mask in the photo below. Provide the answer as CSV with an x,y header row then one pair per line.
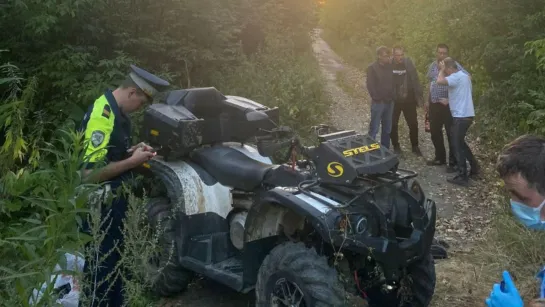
x,y
529,216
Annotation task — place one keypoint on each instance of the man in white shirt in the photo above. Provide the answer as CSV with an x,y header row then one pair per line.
x,y
460,102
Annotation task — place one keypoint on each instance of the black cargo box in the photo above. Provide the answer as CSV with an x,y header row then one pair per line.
x,y
187,119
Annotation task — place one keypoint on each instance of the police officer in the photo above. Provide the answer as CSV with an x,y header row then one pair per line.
x,y
107,132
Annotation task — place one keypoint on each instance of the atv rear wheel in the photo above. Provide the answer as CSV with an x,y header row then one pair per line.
x,y
294,275
168,277
417,288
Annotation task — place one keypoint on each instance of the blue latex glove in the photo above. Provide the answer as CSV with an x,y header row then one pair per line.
x,y
541,276
510,297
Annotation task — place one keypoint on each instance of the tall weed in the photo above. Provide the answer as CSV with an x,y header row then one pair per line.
x,y
290,81
40,212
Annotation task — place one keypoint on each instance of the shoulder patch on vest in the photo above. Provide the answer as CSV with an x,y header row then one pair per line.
x,y
97,137
106,111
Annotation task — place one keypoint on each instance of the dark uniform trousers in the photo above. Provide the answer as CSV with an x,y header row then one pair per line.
x,y
440,117
108,133
99,291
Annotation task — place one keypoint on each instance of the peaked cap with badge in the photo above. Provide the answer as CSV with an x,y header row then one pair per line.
x,y
149,83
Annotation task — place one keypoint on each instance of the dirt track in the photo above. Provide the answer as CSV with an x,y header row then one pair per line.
x,y
351,111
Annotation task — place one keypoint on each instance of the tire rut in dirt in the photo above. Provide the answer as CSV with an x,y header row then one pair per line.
x,y
168,277
303,266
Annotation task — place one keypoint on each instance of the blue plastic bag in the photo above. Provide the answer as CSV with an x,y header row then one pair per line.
x,y
541,276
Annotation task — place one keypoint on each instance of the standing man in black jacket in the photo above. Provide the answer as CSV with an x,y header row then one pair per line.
x,y
381,90
408,94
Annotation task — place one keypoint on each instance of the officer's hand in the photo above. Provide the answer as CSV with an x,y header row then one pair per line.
x,y
140,145
510,297
140,155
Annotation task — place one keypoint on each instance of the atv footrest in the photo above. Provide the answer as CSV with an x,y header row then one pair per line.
x,y
227,272
211,248
232,265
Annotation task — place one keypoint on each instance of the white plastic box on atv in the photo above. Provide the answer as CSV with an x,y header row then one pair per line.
x,y
303,233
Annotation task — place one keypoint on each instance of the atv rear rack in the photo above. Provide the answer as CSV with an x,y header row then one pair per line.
x,y
390,177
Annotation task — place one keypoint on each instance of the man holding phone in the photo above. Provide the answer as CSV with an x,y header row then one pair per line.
x,y
107,130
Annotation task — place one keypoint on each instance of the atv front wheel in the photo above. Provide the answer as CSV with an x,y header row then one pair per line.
x,y
416,289
168,277
422,281
294,275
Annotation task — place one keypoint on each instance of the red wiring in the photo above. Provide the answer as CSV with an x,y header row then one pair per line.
x,y
358,284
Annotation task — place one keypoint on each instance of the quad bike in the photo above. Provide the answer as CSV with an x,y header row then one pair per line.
x,y
300,232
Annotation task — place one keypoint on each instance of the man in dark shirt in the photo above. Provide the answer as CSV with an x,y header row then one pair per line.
x,y
408,94
381,89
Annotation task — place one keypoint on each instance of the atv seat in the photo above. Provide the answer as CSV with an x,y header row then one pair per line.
x,y
231,167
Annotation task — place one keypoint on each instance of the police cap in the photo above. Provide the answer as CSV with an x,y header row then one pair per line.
x,y
147,82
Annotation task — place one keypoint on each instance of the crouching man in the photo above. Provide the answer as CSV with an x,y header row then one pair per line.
x,y
521,165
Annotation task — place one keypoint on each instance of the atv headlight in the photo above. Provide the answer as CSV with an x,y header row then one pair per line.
x,y
361,225
352,224
416,190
